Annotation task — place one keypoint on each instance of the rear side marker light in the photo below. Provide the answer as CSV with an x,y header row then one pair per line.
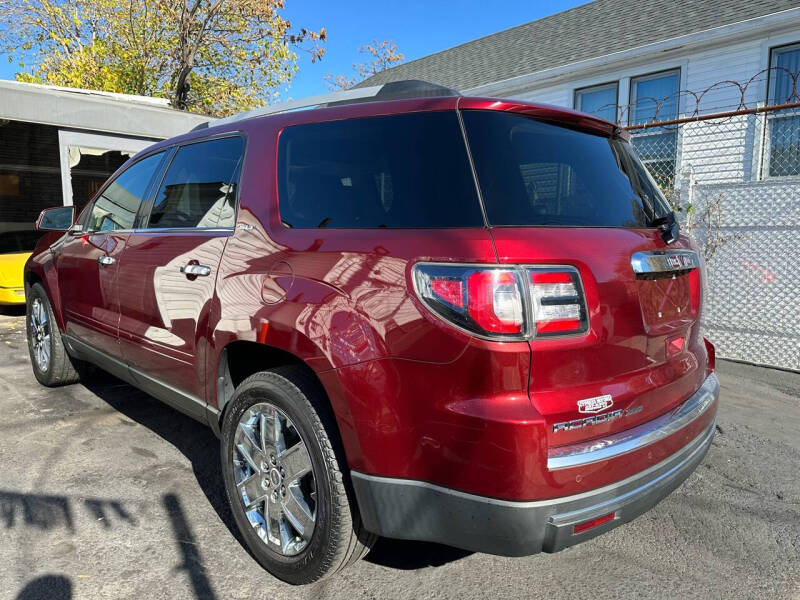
x,y
592,523
504,303
449,290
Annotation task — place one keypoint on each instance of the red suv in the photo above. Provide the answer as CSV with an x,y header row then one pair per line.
x,y
463,320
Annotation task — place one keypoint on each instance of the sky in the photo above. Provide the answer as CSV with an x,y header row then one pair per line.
x,y
418,27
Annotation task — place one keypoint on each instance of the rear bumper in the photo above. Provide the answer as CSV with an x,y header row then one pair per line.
x,y
417,510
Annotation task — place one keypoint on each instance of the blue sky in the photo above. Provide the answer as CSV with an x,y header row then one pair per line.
x,y
418,27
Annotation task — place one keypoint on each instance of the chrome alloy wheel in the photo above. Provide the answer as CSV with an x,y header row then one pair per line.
x,y
39,334
273,474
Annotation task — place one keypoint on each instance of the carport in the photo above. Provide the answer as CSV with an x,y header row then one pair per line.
x,y
58,145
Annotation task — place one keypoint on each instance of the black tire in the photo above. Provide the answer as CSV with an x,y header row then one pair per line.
x,y
60,368
338,539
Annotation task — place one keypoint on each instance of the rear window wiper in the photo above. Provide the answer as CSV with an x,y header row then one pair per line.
x,y
668,227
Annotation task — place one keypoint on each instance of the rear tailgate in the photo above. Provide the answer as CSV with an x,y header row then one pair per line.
x,y
563,190
643,352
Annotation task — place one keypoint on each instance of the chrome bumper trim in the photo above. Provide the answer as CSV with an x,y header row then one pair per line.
x,y
583,453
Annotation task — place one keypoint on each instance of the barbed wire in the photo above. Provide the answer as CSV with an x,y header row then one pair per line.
x,y
688,104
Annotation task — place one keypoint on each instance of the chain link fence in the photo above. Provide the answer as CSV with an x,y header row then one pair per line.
x,y
736,146
733,173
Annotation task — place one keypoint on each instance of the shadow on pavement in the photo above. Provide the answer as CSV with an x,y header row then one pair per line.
x,y
12,310
35,510
194,440
51,512
50,587
201,447
190,552
410,555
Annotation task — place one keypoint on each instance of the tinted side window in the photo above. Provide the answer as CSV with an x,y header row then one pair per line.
x,y
534,173
397,171
199,188
116,207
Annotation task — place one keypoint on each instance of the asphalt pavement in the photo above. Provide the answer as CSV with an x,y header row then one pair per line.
x,y
106,493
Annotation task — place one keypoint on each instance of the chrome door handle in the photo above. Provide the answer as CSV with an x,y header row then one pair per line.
x,y
106,260
196,270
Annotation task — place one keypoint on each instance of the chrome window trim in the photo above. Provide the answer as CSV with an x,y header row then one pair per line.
x,y
658,261
154,230
183,230
583,453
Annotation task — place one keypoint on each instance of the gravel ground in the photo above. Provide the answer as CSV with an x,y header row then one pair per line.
x,y
106,493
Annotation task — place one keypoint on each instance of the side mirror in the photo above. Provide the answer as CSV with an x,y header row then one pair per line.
x,y
60,218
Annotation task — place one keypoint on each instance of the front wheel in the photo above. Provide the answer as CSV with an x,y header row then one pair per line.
x,y
284,477
52,366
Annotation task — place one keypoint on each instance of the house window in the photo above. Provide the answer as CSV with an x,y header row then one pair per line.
x,y
654,99
784,125
598,100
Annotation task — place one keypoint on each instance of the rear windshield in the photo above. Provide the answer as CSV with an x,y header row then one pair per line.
x,y
533,173
398,171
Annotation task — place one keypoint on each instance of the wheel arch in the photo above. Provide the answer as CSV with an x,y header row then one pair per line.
x,y
36,272
241,358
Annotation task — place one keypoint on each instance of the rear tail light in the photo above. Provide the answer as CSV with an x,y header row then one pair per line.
x,y
558,304
485,301
502,302
695,289
494,301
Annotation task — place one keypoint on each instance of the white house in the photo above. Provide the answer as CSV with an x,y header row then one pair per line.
x,y
678,63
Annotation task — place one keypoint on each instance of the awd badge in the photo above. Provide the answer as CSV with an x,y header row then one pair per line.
x,y
595,405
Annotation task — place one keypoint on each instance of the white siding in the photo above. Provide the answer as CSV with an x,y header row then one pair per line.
x,y
721,151
733,63
559,95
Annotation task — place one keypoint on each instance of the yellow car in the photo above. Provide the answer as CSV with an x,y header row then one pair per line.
x,y
15,248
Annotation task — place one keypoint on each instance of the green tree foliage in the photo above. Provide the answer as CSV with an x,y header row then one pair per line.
x,y
382,55
209,56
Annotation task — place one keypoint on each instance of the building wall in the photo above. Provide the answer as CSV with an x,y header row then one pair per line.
x,y
709,81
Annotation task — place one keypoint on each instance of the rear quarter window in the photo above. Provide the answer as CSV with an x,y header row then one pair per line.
x,y
398,171
539,174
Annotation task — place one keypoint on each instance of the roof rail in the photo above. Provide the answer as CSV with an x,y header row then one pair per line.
x,y
389,91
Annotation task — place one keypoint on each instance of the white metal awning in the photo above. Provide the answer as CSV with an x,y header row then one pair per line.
x,y
94,111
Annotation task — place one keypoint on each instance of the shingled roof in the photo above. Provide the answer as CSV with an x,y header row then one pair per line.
x,y
588,31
